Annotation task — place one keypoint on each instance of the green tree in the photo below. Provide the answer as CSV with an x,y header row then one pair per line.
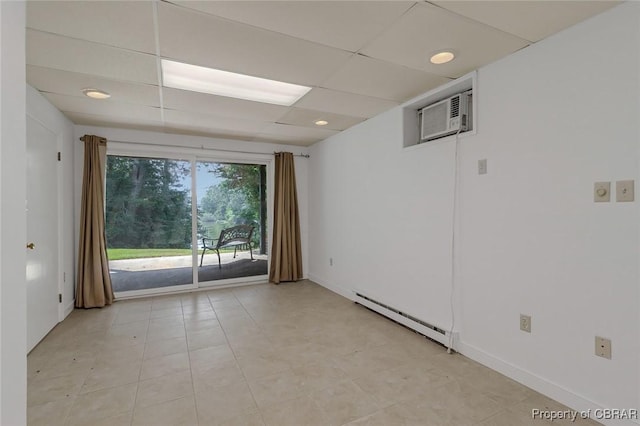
x,y
235,200
147,205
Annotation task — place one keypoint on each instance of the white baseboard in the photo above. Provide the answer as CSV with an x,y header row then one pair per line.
x,y
347,294
539,384
68,309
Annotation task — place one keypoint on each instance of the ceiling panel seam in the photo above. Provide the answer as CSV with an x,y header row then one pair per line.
x,y
156,34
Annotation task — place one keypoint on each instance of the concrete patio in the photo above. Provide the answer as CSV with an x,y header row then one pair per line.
x,y
155,272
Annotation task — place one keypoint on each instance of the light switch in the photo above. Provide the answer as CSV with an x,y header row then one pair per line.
x,y
602,192
624,190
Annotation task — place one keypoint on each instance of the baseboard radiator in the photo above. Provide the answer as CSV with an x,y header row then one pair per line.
x,y
429,330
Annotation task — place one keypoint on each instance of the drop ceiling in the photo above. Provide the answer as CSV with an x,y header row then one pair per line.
x,y
360,57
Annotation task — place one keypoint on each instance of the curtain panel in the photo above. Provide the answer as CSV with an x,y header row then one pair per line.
x,y
93,286
286,253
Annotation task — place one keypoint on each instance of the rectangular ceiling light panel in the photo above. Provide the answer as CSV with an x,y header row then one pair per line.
x,y
223,83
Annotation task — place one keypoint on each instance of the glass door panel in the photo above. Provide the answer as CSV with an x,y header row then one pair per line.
x,y
230,195
148,222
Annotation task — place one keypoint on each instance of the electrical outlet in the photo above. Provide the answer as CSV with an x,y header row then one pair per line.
x,y
602,192
603,347
624,190
482,166
525,323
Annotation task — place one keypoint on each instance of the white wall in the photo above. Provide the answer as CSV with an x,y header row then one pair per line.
x,y
13,333
141,140
41,110
552,119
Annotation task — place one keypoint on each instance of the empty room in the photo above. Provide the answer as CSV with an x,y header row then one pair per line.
x,y
319,213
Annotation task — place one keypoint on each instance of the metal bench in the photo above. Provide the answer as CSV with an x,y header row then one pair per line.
x,y
235,237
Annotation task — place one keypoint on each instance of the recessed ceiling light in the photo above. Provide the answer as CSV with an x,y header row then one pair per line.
x,y
96,94
223,83
321,123
442,57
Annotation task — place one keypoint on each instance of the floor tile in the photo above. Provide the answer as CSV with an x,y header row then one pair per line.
x,y
224,403
294,354
344,402
57,388
163,365
107,376
297,412
158,348
178,412
164,388
96,406
50,413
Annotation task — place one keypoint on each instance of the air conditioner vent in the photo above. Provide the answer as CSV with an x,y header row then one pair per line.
x,y
455,107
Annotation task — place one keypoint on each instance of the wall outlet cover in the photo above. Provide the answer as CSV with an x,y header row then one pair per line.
x,y
525,323
602,192
603,347
624,191
482,166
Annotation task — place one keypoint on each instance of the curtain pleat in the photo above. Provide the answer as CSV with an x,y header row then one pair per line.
x,y
286,253
93,287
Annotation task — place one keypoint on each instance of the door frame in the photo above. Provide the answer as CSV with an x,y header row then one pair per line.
x,y
145,150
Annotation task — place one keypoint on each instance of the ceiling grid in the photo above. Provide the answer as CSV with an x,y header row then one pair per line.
x,y
360,58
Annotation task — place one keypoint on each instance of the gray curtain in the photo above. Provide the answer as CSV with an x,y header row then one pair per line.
x,y
286,253
93,287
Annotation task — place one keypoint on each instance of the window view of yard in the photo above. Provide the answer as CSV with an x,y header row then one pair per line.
x,y
149,220
232,194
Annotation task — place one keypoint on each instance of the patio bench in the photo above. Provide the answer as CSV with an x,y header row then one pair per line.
x,y
235,237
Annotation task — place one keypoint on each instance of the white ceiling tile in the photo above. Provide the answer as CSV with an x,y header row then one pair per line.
x,y
287,140
344,103
426,29
209,132
347,25
105,107
531,20
194,119
221,106
373,77
63,53
205,40
125,24
71,84
295,134
307,118
118,122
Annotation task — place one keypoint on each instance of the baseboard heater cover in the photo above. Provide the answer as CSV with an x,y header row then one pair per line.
x,y
429,330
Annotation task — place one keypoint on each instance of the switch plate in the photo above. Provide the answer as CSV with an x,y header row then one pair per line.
x,y
602,192
482,166
603,347
525,323
624,190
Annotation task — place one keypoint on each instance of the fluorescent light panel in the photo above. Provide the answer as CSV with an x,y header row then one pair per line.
x,y
223,83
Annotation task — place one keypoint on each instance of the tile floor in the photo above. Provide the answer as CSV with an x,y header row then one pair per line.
x,y
294,354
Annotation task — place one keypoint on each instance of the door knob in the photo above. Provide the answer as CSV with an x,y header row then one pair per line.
x,y
31,246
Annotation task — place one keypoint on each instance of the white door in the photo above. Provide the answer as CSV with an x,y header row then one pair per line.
x,y
42,232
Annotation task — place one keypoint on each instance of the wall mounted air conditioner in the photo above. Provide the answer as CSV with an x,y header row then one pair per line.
x,y
446,117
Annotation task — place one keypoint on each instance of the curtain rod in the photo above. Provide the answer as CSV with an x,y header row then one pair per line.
x,y
203,148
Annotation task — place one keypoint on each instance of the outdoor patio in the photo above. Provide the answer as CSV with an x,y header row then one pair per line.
x,y
146,273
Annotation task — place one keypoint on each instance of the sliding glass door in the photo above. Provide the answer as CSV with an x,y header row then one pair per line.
x,y
232,221
158,240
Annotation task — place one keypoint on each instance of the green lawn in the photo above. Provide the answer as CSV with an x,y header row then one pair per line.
x,y
126,253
